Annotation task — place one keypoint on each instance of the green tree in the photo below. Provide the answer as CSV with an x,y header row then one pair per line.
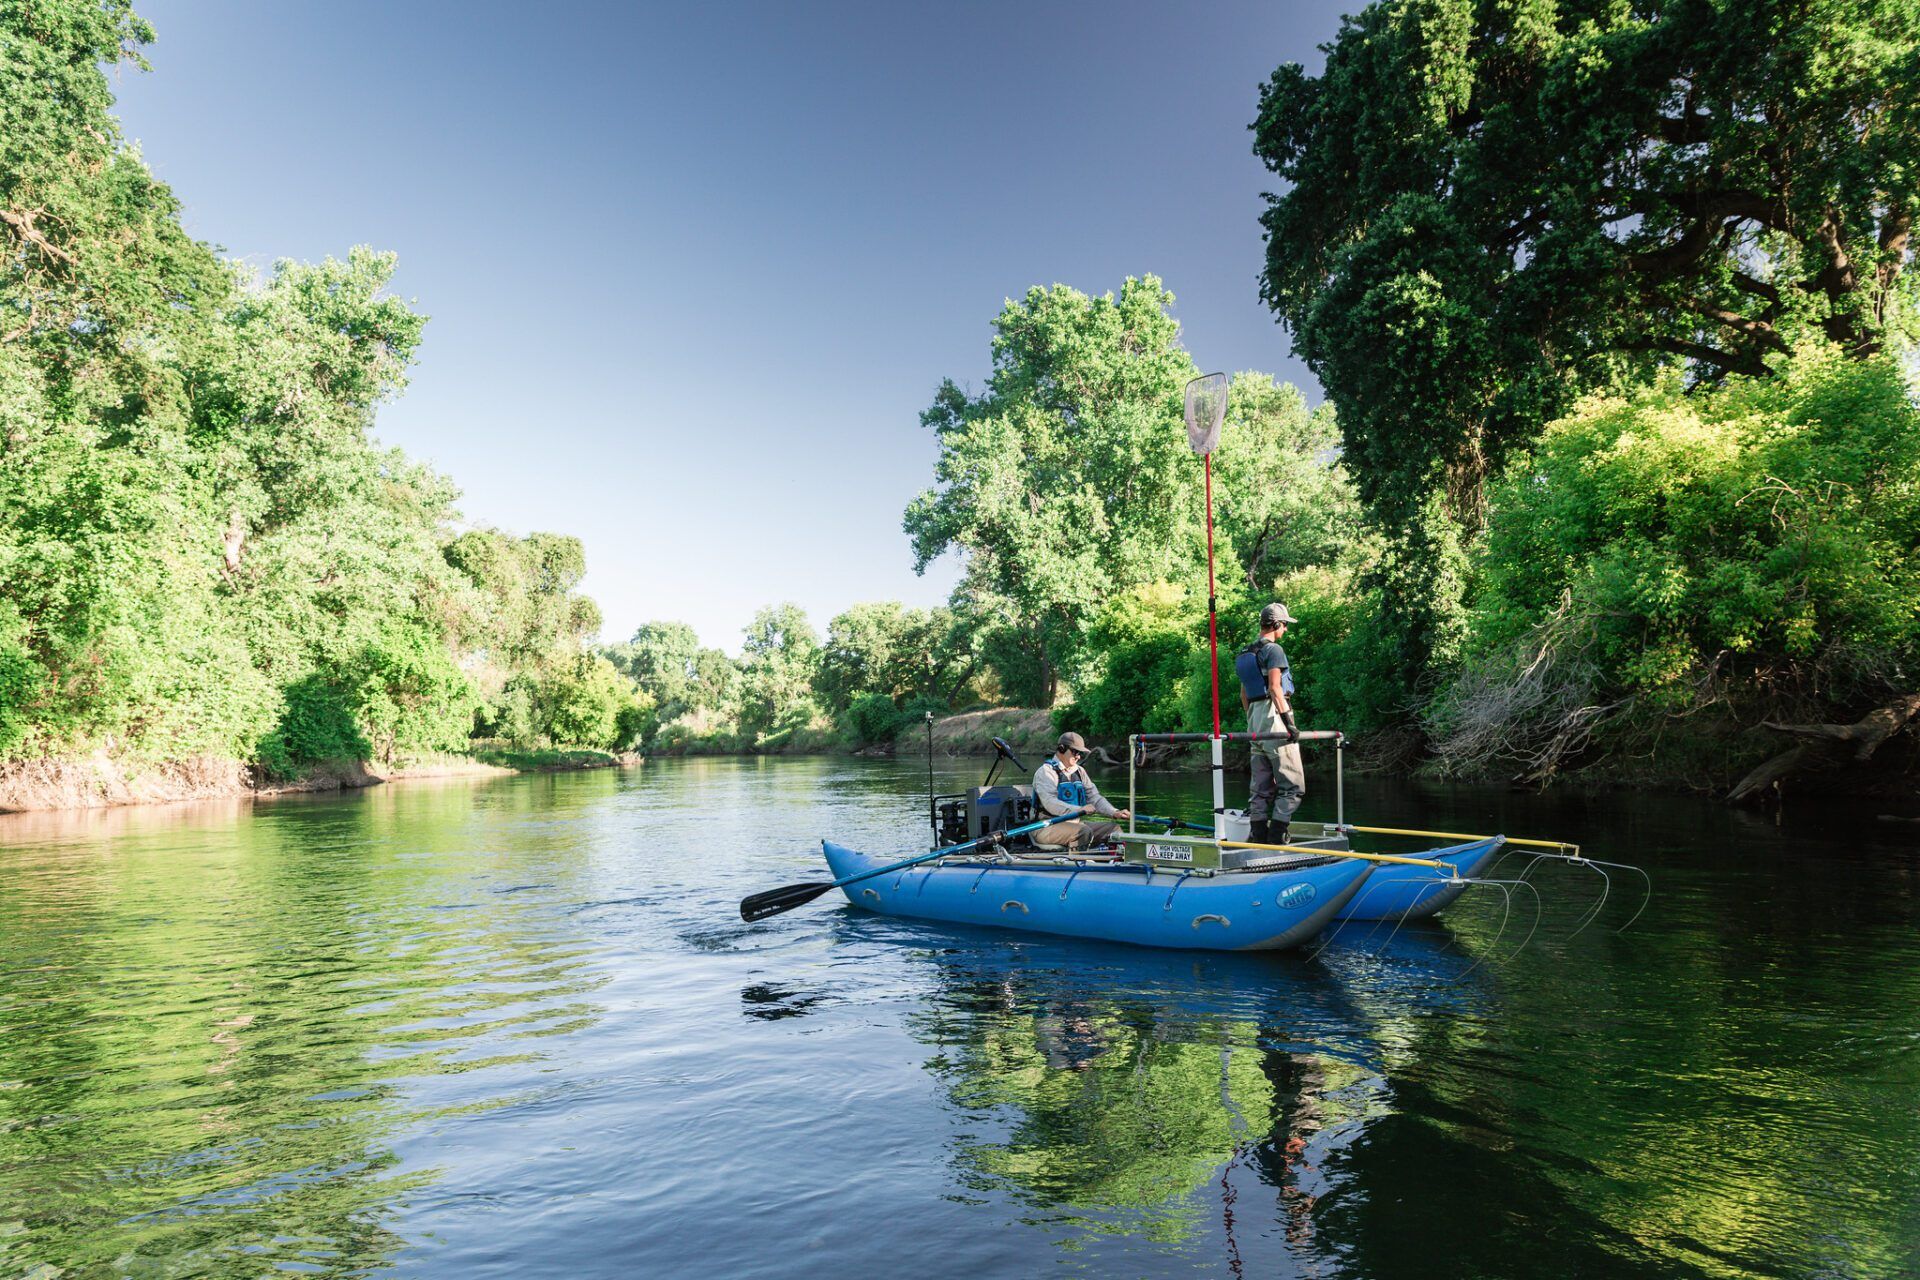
x,y
884,648
659,659
777,666
524,623
410,695
1068,476
1746,552
1283,499
580,702
1494,205
202,551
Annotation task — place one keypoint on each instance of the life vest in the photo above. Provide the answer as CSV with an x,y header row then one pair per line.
x,y
1070,790
1253,680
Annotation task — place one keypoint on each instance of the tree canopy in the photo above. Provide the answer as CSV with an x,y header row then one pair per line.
x,y
1067,474
1493,205
203,550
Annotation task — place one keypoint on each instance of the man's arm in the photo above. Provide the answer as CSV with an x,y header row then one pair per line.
x,y
1282,708
1274,691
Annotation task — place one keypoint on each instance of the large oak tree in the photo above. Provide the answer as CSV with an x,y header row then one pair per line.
x,y
1494,204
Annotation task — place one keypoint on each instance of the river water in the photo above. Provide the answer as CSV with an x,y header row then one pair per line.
x,y
517,1028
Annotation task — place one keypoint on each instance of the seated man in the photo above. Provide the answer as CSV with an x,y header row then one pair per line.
x,y
1062,787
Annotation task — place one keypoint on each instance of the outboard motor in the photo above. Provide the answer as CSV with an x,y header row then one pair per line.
x,y
985,809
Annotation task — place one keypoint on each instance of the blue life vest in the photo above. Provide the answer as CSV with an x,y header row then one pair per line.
x,y
1252,664
1070,790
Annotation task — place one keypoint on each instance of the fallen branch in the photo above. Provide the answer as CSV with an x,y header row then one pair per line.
x,y
1823,748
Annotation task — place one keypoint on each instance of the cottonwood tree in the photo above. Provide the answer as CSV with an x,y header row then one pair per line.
x,y
1067,475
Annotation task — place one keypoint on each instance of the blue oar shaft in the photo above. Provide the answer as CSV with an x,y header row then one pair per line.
x,y
1175,822
952,848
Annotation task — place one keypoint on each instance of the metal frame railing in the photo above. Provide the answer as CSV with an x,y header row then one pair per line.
x,y
1339,741
1217,741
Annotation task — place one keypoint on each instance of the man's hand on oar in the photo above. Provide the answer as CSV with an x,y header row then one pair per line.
x,y
774,901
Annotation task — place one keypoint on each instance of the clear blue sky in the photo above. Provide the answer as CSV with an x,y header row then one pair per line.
x,y
694,269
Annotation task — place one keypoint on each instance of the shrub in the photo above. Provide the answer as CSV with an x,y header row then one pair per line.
x,y
317,723
1750,545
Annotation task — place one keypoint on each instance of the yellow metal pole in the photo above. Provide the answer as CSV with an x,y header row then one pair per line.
x,y
1461,835
1336,853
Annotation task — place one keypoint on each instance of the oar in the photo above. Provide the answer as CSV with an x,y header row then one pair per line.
x,y
1174,822
787,897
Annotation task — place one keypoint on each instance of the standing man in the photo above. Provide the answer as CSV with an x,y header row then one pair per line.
x,y
1063,787
1279,782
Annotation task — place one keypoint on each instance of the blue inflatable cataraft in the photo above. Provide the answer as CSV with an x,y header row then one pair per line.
x,y
1096,897
1213,891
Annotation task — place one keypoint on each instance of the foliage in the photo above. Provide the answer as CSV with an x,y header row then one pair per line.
x,y
777,668
410,695
1069,483
659,659
1752,542
1147,638
1283,500
20,680
202,550
1068,476
1492,205
579,702
699,732
873,718
317,723
900,653
527,615
1284,508
673,677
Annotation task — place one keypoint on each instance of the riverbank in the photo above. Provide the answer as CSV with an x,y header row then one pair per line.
x,y
99,781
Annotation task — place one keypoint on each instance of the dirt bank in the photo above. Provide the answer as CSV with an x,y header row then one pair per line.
x,y
99,781
1026,729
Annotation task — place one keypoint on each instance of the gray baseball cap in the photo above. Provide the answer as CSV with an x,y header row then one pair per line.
x,y
1071,741
1275,614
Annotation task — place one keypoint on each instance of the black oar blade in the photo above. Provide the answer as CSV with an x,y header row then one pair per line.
x,y
774,901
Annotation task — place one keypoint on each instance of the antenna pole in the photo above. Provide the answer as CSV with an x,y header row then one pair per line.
x,y
1213,640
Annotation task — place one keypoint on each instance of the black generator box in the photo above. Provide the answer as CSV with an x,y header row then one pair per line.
x,y
991,809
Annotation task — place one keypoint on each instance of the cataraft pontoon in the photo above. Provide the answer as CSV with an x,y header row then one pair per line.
x,y
1211,891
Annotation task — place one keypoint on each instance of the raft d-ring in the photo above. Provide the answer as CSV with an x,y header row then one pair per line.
x,y
1199,920
869,893
1015,902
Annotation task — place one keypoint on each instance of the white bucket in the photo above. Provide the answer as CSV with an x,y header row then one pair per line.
x,y
1237,826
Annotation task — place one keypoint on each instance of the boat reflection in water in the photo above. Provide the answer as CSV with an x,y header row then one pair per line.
x,y
1191,1099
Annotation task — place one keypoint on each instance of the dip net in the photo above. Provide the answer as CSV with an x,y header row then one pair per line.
x,y
1206,410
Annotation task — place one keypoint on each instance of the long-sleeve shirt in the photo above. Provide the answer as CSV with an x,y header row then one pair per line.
x,y
1046,789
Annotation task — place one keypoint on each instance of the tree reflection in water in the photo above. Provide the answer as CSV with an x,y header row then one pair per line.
x,y
1134,1093
206,1065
